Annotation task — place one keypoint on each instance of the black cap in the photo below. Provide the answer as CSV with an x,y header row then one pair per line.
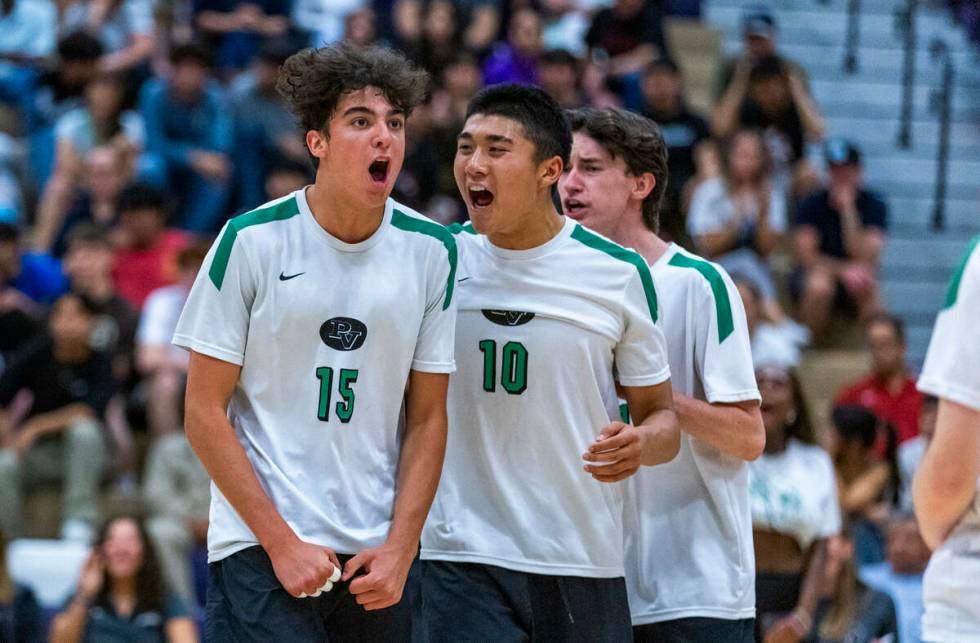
x,y
758,21
842,152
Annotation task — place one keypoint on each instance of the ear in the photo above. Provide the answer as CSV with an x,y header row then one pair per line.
x,y
550,170
318,143
643,185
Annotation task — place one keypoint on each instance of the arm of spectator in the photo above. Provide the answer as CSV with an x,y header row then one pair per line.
x,y
153,107
714,244
51,422
945,483
706,160
181,630
161,490
766,236
151,358
863,492
219,21
734,428
482,30
57,196
724,119
806,243
810,117
68,625
139,49
796,625
635,60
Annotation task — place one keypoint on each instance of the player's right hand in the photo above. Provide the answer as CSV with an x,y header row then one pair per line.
x,y
303,568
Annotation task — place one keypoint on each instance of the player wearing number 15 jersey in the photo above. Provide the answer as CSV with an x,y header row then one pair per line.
x,y
309,318
524,541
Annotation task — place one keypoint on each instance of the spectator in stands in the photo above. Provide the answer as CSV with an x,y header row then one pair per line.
x,y
359,27
889,390
771,343
692,156
104,173
739,218
564,25
772,97
793,498
26,277
234,29
838,238
417,182
849,611
27,37
911,451
162,365
324,20
900,576
189,132
121,594
627,36
516,61
558,74
177,491
868,484
11,192
438,41
285,176
146,258
60,436
20,614
124,27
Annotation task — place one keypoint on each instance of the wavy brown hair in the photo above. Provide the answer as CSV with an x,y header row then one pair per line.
x,y
151,592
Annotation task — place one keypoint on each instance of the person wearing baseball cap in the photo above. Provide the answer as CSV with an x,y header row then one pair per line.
x,y
839,236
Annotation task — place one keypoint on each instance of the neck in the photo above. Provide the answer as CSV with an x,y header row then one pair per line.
x,y
630,232
336,215
775,442
540,224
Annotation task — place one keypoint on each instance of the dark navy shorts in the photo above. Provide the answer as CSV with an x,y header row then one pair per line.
x,y
696,630
467,602
246,603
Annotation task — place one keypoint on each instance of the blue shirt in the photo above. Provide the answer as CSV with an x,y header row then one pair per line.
x,y
905,590
40,278
174,129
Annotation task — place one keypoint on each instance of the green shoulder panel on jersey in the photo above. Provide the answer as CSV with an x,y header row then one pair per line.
x,y
456,228
284,209
954,284
410,224
723,305
619,252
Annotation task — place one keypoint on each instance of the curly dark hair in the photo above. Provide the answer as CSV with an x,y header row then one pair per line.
x,y
634,138
313,81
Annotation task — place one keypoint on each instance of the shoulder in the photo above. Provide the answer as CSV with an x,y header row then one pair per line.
x,y
711,188
603,250
265,218
409,221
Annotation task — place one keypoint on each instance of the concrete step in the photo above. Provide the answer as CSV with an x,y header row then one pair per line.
x,y
870,7
915,213
883,132
958,173
919,187
941,251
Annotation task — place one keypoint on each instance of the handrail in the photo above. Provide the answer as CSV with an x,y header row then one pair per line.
x,y
905,27
853,32
940,104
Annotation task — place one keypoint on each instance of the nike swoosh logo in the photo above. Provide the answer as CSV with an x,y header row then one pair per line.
x,y
285,277
459,281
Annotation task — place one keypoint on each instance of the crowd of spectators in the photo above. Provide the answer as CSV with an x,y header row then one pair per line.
x,y
130,131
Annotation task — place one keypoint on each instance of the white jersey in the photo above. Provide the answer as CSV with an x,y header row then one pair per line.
x,y
951,587
540,333
688,526
326,333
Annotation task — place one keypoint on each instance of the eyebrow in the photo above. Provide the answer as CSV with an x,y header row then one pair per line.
x,y
359,109
493,138
590,159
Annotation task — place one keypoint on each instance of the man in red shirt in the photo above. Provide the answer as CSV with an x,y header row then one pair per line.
x,y
889,390
147,259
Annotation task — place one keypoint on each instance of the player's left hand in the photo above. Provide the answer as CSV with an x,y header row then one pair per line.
x,y
616,453
387,569
786,630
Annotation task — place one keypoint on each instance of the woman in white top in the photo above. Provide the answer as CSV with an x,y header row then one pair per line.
x,y
793,498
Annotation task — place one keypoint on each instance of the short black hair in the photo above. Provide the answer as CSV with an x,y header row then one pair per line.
x,y
634,138
88,234
80,46
140,196
8,233
558,57
191,52
539,115
855,423
898,326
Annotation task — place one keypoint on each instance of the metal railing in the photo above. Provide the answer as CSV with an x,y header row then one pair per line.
x,y
940,104
905,27
853,35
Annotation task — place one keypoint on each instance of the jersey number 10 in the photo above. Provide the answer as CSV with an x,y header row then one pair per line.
x,y
513,367
345,407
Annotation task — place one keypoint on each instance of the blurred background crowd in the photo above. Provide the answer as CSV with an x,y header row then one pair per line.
x,y
131,130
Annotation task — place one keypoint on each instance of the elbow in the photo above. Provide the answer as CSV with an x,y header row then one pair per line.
x,y
672,440
755,444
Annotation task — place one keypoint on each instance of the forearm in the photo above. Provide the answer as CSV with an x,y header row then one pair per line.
x,y
139,50
662,437
851,233
766,239
59,419
725,117
714,244
730,429
53,207
810,116
813,579
419,468
69,625
273,25
217,22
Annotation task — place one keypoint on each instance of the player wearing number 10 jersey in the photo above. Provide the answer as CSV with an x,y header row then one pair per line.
x,y
308,319
524,540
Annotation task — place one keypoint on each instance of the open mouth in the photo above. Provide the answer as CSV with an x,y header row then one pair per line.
x,y
572,206
480,197
379,170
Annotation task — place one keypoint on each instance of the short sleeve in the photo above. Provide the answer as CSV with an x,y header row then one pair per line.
x,y
641,354
706,214
153,329
176,607
139,16
829,498
723,351
435,346
215,318
777,210
875,214
950,370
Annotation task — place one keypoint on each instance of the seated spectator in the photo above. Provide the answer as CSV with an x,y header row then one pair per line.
x,y
285,176
691,154
121,594
93,202
438,41
900,576
324,20
564,25
27,278
265,129
162,365
20,614
558,73
59,437
419,179
889,390
911,451
516,61
839,236
849,611
11,192
189,132
793,499
738,218
177,491
124,27
234,29
146,258
772,97
628,36
772,343
359,28
27,38
867,484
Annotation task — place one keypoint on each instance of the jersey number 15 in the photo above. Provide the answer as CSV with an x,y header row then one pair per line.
x,y
345,407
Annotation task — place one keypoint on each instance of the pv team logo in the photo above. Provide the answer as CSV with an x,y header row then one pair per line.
x,y
343,333
508,317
